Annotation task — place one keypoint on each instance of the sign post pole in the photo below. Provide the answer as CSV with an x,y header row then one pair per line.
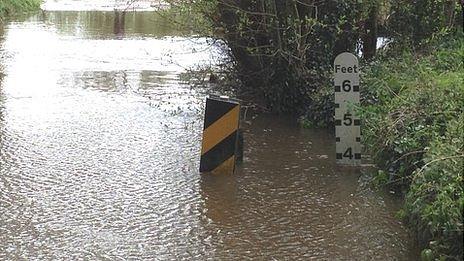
x,y
347,123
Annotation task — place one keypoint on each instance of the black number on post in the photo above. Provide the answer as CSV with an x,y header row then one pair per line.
x,y
347,120
348,153
346,85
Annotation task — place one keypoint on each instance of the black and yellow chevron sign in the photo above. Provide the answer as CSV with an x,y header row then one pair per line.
x,y
220,135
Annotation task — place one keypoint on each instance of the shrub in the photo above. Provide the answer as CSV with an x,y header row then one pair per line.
x,y
283,50
8,7
413,126
435,202
408,102
416,21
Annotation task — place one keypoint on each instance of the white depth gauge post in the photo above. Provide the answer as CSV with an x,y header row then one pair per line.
x,y
347,123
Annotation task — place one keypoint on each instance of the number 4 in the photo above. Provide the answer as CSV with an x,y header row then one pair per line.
x,y
348,153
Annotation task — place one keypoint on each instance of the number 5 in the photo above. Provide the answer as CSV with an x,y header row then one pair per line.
x,y
347,120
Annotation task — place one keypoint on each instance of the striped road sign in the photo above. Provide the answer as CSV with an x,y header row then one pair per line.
x,y
347,123
220,135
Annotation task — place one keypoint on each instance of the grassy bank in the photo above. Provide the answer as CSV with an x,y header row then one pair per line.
x,y
9,7
414,129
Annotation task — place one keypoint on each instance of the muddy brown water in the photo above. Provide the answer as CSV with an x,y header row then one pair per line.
x,y
99,151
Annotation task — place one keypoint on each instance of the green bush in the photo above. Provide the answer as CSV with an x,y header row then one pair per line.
x,y
413,107
416,21
435,202
8,7
321,109
283,50
407,102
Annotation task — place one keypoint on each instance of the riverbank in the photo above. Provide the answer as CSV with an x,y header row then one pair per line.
x,y
9,7
413,127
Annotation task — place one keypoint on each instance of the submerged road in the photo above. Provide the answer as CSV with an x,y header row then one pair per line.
x,y
99,154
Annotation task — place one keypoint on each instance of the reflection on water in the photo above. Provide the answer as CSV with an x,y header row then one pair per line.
x,y
99,151
102,25
104,5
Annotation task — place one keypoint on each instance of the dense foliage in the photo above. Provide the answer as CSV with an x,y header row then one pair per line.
x,y
8,7
413,126
283,50
435,202
415,21
409,101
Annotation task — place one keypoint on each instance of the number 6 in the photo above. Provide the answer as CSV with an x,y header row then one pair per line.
x,y
346,85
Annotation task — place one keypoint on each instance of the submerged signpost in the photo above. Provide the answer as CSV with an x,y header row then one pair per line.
x,y
347,123
220,135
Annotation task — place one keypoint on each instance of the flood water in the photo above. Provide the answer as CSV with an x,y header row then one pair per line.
x,y
99,155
